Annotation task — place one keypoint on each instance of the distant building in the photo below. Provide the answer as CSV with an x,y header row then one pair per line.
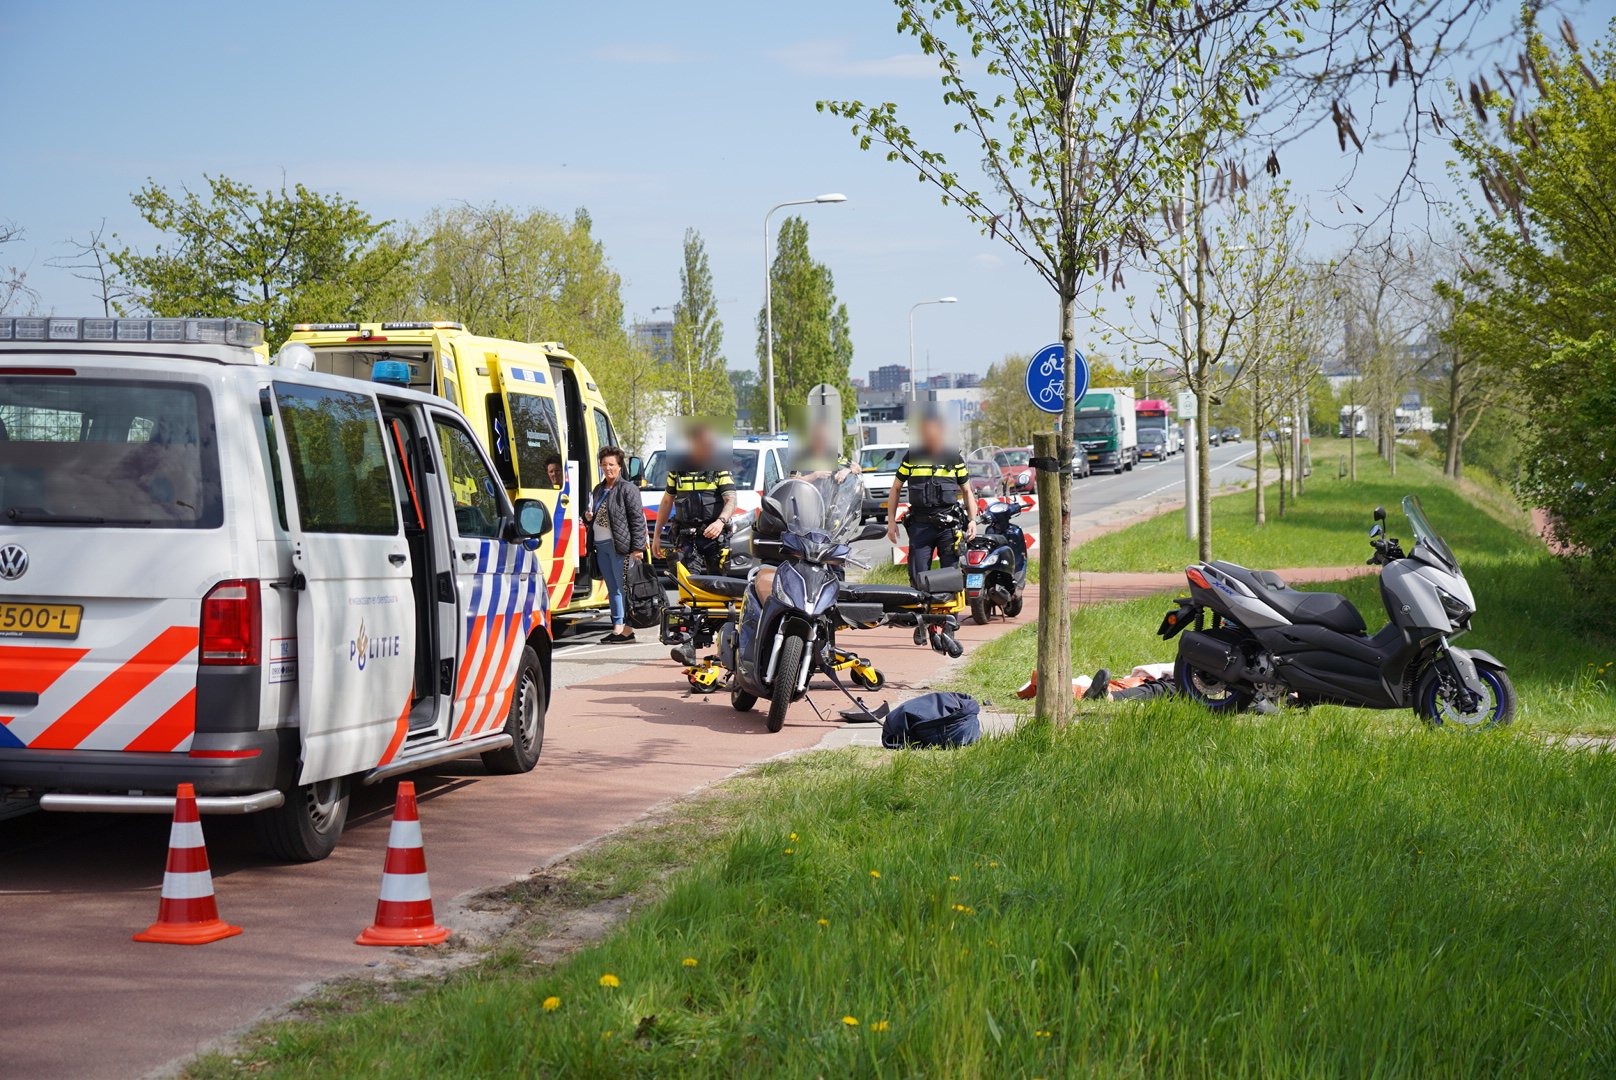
x,y
890,377
656,338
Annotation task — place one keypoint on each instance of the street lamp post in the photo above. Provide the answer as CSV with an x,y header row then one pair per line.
x,y
768,290
914,387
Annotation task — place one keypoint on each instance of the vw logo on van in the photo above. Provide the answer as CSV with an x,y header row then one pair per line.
x,y
13,562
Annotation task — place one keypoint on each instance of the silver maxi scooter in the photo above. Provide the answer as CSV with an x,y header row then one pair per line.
x,y
1269,642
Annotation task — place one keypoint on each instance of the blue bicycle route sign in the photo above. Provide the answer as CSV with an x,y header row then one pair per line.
x,y
1045,377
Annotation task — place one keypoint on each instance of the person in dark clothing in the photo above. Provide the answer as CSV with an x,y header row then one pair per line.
x,y
939,489
702,493
617,529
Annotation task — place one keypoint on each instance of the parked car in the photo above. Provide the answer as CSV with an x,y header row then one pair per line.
x,y
1214,436
1231,434
1016,465
1080,466
1153,444
987,482
878,467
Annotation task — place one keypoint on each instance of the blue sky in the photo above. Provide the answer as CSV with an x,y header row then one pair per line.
x,y
654,116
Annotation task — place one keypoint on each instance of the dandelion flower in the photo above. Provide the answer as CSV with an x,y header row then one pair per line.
x,y
552,1003
791,851
1044,1034
875,873
850,1021
992,863
880,1025
610,981
792,838
690,961
953,877
824,922
607,1034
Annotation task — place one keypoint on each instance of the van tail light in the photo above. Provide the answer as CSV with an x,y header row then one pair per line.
x,y
230,624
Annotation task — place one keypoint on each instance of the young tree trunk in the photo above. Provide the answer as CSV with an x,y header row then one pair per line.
x,y
1256,426
1279,463
1202,382
1450,464
1054,701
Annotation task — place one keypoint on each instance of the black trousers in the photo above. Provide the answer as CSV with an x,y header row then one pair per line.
x,y
703,556
931,536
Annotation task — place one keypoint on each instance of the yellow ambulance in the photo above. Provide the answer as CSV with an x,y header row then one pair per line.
x,y
534,405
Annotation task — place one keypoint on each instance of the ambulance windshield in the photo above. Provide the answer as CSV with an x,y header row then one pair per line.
x,y
107,452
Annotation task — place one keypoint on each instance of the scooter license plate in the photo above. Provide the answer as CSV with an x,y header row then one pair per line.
x,y
973,581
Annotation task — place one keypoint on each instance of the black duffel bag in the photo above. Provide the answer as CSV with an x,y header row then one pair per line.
x,y
943,719
644,599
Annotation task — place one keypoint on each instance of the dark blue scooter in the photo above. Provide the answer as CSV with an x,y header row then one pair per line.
x,y
996,563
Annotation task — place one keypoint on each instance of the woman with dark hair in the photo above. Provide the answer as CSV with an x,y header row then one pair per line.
x,y
617,526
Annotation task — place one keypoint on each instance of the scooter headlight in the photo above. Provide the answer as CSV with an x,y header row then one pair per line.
x,y
1456,609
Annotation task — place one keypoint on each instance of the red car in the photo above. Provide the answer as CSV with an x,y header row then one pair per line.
x,y
1015,466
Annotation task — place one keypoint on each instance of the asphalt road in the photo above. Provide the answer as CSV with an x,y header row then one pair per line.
x,y
623,735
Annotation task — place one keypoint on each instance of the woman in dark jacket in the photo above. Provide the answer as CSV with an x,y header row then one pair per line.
x,y
617,526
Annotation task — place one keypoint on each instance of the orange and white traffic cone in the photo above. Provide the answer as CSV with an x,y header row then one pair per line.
x,y
404,908
187,914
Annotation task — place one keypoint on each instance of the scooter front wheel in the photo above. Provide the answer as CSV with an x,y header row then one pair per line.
x,y
1013,608
787,670
742,701
1437,702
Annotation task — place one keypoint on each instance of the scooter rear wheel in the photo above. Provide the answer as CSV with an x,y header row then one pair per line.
x,y
980,610
1210,692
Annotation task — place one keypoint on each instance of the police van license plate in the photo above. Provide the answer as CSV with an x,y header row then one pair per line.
x,y
973,581
40,620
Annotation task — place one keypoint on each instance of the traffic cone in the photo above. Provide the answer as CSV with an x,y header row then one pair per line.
x,y
404,908
186,914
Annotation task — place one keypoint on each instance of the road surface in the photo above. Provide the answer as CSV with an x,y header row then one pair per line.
x,y
83,1001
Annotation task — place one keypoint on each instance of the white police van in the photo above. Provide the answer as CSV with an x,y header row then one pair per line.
x,y
265,581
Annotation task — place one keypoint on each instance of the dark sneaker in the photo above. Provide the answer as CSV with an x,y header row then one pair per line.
x,y
1100,687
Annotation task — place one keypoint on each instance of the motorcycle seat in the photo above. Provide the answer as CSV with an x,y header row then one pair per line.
x,y
1329,610
719,584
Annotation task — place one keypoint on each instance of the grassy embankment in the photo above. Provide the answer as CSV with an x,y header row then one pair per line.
x,y
1529,613
1162,894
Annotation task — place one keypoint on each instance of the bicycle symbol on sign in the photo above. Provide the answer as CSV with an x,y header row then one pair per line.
x,y
1046,377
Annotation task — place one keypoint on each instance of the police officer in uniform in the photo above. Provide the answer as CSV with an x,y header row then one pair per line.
x,y
938,482
703,492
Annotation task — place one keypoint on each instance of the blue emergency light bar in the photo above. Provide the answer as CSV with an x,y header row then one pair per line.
x,y
188,331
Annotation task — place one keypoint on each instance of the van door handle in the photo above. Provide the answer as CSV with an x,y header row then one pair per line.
x,y
468,556
397,559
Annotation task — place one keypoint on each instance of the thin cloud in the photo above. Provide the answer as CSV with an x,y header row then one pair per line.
x,y
833,58
628,52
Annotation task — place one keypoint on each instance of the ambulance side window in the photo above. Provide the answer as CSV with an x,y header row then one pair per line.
x,y
536,438
475,492
339,467
603,430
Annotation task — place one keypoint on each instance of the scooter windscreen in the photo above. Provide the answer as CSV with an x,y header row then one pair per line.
x,y
814,516
1425,534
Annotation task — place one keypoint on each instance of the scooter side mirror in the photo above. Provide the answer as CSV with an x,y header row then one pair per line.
x,y
1380,513
873,531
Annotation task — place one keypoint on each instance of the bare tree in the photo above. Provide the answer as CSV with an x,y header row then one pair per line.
x,y
90,261
14,290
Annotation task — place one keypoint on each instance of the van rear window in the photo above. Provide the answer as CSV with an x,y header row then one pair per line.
x,y
127,453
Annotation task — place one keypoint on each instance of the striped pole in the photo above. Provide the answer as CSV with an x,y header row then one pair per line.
x,y
404,906
187,914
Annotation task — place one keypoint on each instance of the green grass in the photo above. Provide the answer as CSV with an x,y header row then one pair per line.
x,y
1165,894
1326,527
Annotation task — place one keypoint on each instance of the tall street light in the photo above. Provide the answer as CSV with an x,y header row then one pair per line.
x,y
768,290
914,385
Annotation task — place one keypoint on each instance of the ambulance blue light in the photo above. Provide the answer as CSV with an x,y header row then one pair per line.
x,y
391,372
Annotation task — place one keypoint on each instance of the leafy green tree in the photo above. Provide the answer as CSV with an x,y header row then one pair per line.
x,y
532,275
277,256
698,336
812,342
1541,231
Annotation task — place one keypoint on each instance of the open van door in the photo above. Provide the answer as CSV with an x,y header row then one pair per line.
x,y
355,609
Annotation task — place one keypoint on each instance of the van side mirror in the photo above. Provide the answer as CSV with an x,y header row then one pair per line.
x,y
532,520
636,470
